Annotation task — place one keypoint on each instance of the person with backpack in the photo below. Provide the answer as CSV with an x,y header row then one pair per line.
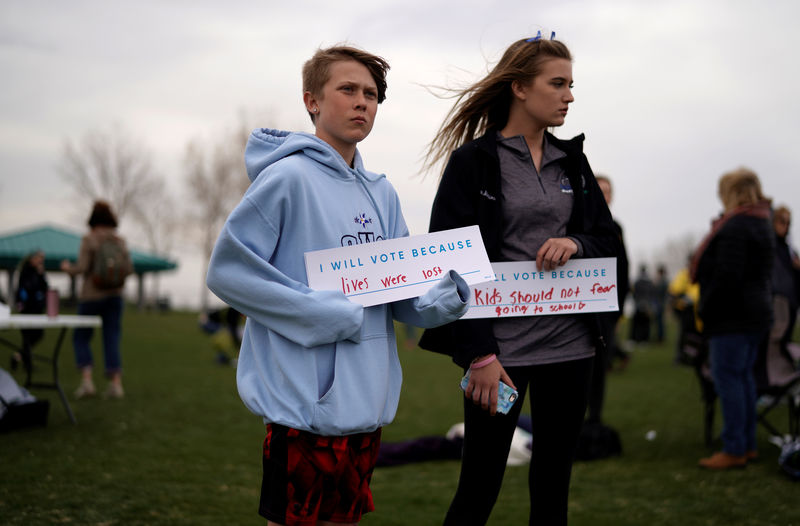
x,y
104,262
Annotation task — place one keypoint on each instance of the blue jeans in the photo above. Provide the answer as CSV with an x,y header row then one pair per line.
x,y
110,310
732,359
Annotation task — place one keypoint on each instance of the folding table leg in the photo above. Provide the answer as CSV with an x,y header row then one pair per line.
x,y
56,382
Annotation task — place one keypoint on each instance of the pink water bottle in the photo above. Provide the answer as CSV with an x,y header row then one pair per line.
x,y
52,303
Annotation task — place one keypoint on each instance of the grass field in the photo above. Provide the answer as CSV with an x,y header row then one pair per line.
x,y
181,449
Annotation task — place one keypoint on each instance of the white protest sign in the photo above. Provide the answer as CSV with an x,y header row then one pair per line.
x,y
580,285
396,269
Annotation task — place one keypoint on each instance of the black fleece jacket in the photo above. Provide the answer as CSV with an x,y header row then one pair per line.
x,y
469,194
735,276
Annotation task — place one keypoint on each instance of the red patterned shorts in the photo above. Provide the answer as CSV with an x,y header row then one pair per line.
x,y
309,477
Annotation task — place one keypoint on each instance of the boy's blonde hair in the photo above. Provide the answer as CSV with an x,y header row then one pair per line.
x,y
316,70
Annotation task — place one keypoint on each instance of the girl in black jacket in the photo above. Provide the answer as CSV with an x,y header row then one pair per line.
x,y
534,197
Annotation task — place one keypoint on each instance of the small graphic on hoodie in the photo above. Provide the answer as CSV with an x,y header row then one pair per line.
x,y
360,237
362,220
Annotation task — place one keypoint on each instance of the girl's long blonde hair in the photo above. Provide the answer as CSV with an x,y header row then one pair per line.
x,y
486,104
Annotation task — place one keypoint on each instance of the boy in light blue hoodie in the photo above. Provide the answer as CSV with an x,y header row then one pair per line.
x,y
322,371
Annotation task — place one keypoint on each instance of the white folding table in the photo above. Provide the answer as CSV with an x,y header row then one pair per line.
x,y
41,321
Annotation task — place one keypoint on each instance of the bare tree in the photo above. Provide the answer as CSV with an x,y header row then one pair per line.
x,y
675,252
110,165
113,166
216,180
159,222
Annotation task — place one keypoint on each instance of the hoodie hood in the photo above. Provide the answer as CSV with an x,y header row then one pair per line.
x,y
267,146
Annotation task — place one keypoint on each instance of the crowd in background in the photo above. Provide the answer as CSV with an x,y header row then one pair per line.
x,y
307,358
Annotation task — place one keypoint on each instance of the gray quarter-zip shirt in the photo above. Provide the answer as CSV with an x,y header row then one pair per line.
x,y
536,207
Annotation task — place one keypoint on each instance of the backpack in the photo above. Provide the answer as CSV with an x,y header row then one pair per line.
x,y
598,441
110,265
18,408
789,459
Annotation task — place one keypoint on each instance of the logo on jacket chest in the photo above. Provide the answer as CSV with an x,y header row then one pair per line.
x,y
566,187
363,235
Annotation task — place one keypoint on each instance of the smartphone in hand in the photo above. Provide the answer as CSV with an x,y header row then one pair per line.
x,y
506,395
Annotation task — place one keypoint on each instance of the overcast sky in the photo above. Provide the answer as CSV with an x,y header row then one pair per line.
x,y
670,94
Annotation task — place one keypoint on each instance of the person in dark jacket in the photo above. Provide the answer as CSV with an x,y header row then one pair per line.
x,y
785,278
643,292
31,298
661,285
733,266
32,284
534,197
607,354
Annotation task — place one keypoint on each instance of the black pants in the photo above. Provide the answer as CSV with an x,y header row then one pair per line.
x,y
558,394
597,392
603,360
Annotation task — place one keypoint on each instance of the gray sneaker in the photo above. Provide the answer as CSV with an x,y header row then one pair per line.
x,y
114,391
85,390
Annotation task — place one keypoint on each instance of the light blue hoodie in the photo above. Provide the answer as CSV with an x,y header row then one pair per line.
x,y
314,360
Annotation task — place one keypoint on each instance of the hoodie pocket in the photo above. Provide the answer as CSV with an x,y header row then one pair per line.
x,y
365,389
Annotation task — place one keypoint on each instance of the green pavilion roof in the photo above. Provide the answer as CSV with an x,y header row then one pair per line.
x,y
58,244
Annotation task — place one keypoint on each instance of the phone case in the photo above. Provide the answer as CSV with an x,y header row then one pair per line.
x,y
506,395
